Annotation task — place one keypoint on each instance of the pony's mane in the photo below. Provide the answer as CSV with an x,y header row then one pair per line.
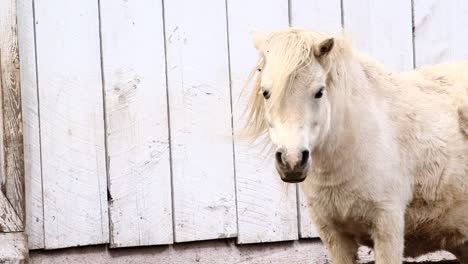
x,y
291,49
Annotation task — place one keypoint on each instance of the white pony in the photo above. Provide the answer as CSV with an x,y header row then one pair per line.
x,y
383,155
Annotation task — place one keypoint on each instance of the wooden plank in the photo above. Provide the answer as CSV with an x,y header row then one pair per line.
x,y
137,128
375,30
200,119
307,227
316,14
324,16
217,251
206,252
9,220
14,248
12,128
441,32
32,152
72,127
266,207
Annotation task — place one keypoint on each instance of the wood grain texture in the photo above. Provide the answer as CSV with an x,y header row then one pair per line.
x,y
12,128
441,31
309,251
316,14
324,16
9,220
137,125
14,248
266,207
203,252
200,119
382,29
72,123
32,145
307,227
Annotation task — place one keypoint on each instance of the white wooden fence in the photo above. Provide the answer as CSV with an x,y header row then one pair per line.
x,y
129,107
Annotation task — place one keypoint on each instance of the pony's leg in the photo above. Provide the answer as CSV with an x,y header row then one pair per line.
x,y
342,248
388,236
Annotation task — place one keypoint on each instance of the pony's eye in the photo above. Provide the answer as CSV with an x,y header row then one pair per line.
x,y
319,94
266,94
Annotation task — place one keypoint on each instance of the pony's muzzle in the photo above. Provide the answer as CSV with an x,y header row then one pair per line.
x,y
292,166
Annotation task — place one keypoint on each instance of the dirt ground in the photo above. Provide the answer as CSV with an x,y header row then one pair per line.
x,y
437,262
426,262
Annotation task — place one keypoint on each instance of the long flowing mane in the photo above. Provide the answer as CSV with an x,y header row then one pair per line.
x,y
291,49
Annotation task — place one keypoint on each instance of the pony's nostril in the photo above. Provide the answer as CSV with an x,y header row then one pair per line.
x,y
279,157
297,162
304,158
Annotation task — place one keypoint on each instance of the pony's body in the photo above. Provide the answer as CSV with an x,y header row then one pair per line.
x,y
421,158
435,146
391,168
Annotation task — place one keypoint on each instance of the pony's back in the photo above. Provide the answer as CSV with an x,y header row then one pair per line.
x,y
453,76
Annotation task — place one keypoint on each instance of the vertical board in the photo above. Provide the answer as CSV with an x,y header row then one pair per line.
x,y
32,144
321,16
200,120
266,207
136,116
316,14
441,31
11,131
307,227
72,126
383,29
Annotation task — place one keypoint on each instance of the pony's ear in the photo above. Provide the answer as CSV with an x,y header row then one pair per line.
x,y
259,39
324,47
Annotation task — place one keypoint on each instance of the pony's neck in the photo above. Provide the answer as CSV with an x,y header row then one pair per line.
x,y
348,89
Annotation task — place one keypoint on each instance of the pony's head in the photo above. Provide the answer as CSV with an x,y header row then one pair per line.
x,y
291,96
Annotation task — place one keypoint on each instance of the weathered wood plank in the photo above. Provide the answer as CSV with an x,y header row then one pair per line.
x,y
12,127
441,31
316,14
375,30
324,16
266,207
200,120
307,227
309,251
137,125
14,248
9,220
72,126
206,252
32,152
